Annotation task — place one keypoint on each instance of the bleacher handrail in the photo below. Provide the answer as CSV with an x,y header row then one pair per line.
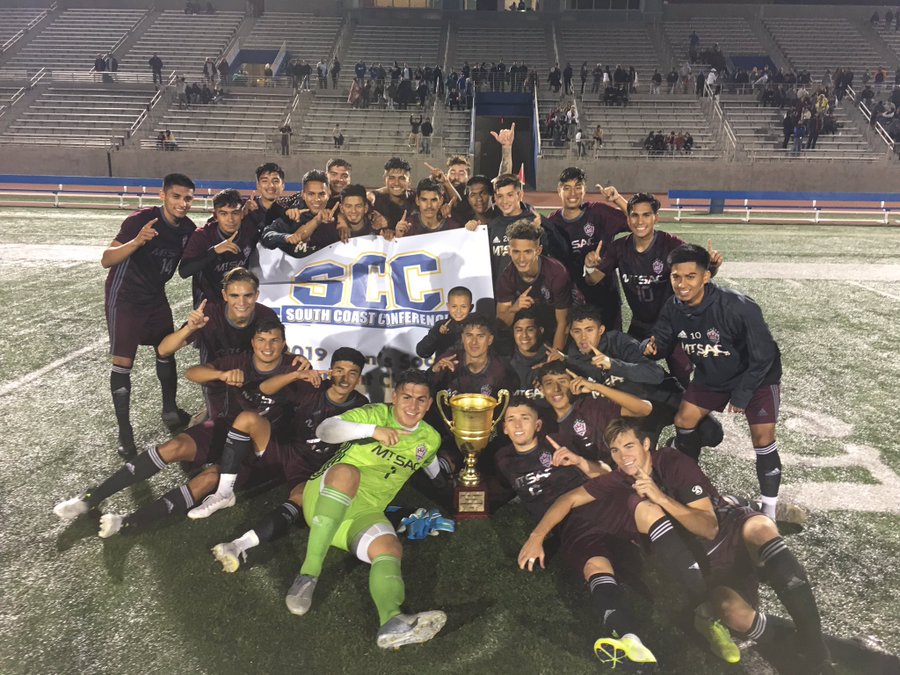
x,y
131,30
537,119
867,113
339,39
94,76
28,28
723,127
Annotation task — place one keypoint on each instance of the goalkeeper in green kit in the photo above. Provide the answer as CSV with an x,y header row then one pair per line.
x,y
344,503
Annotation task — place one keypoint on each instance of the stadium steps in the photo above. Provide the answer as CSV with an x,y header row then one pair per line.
x,y
22,104
16,19
308,36
884,43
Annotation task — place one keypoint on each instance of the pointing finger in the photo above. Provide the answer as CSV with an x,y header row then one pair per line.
x,y
429,167
201,305
556,446
403,219
709,247
526,291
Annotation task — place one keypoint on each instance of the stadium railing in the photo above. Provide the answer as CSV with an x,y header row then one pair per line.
x,y
811,207
31,25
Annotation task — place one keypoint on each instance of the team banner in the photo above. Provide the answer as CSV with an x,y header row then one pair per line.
x,y
378,296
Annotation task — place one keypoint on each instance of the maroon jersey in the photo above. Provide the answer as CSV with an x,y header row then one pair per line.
x,y
237,399
219,337
496,375
676,474
582,429
140,279
311,407
551,290
534,478
645,276
416,226
598,222
206,267
391,211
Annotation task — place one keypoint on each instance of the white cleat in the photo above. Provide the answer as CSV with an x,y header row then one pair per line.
x,y
71,508
410,629
300,594
210,505
110,524
229,555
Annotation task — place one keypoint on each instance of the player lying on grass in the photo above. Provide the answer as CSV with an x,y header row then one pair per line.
x,y
201,443
306,452
540,470
651,488
344,503
737,362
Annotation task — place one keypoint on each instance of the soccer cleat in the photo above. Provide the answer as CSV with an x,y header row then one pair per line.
x,y
785,512
110,524
176,420
719,639
126,448
409,629
71,508
621,653
300,594
229,555
210,505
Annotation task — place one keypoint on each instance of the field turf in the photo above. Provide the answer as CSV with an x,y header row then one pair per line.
x,y
158,602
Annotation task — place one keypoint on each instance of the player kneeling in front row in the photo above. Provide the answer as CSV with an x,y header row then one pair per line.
x,y
305,454
344,503
539,471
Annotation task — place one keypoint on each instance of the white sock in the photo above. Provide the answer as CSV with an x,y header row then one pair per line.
x,y
768,506
246,541
226,484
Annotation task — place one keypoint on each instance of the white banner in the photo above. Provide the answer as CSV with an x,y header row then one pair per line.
x,y
372,294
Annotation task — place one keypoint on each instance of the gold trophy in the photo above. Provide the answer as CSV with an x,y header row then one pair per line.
x,y
472,425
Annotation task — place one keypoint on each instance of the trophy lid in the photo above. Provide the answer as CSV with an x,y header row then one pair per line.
x,y
473,402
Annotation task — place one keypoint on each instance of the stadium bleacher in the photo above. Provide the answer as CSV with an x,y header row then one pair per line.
x,y
734,34
243,120
308,36
477,44
72,39
15,19
414,45
182,41
78,115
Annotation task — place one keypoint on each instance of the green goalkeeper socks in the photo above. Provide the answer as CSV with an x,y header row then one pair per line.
x,y
386,587
331,505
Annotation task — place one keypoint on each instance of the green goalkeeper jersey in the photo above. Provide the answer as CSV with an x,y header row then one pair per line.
x,y
383,471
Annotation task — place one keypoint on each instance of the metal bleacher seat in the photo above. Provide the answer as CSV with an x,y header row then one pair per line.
x,y
182,41
477,44
308,36
243,120
609,44
760,133
733,34
817,44
455,131
15,19
78,116
415,45
74,38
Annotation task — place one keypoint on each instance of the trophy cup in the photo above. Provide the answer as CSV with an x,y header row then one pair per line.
x,y
472,424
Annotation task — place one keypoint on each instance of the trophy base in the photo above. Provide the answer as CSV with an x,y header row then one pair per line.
x,y
470,502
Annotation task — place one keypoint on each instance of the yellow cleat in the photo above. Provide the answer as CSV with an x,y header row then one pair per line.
x,y
719,639
622,653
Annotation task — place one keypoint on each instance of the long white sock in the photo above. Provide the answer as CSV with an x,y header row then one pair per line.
x,y
226,484
246,541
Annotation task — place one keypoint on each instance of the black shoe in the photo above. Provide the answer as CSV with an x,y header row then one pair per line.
x,y
176,420
127,449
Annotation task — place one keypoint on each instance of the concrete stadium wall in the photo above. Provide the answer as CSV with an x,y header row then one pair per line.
x,y
656,175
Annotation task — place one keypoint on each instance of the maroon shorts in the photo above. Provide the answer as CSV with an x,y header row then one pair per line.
x,y
762,409
729,562
281,461
131,326
584,537
209,437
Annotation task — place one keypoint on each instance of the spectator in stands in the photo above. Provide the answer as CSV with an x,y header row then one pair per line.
x,y
580,144
427,131
672,80
688,142
712,81
597,74
701,80
170,143
620,78
322,73
555,78
632,80
206,95
209,71
112,63
223,72
422,93
787,126
415,127
286,133
655,82
799,132
156,65
814,128
161,140
867,95
181,92
598,141
100,64
353,98
888,18
583,74
686,74
335,72
338,135
875,18
305,75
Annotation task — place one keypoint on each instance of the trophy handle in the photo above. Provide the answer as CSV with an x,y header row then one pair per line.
x,y
442,395
503,399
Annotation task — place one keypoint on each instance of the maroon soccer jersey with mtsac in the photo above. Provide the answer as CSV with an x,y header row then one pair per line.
x,y
416,226
582,429
534,478
140,279
551,290
496,375
644,275
598,223
311,406
237,399
219,337
206,267
391,211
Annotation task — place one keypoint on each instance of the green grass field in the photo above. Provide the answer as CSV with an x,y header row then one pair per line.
x,y
158,602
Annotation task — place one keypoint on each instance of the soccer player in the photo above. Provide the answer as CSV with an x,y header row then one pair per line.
x,y
737,362
344,503
199,444
306,452
266,205
581,420
530,352
581,226
338,171
395,199
355,218
444,336
642,261
431,208
508,192
294,237
141,259
458,168
478,198
534,280
540,471
458,171
218,330
222,244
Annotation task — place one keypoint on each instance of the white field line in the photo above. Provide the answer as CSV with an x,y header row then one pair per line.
x,y
875,290
51,252
34,375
